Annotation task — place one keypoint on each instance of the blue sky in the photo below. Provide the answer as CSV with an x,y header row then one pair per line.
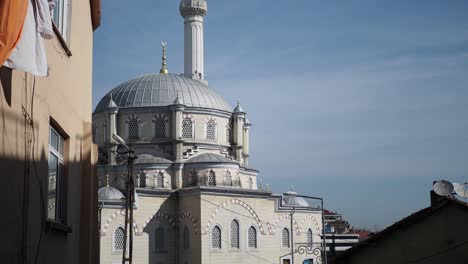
x,y
364,103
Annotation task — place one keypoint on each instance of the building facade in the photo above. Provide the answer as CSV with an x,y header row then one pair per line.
x,y
47,158
197,198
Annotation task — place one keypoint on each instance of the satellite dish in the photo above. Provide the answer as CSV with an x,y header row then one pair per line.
x,y
461,189
443,188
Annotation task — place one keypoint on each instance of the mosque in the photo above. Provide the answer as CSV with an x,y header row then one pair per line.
x,y
197,200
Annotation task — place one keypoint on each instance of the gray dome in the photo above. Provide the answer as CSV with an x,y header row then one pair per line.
x,y
291,199
157,89
109,193
150,159
210,158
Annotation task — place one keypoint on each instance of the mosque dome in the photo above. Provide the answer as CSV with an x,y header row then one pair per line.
x,y
109,193
161,89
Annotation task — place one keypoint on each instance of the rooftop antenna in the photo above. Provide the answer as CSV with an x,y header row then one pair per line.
x,y
461,189
443,188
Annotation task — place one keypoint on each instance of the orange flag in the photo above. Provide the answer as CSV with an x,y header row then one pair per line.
x,y
12,15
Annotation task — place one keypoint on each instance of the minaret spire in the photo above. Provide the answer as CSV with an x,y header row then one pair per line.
x,y
164,64
193,12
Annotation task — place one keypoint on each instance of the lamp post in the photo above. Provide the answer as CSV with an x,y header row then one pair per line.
x,y
294,201
130,186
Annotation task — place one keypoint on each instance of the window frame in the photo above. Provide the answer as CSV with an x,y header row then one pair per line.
x,y
192,122
231,247
114,250
129,122
163,248
212,124
62,26
213,249
282,238
248,238
60,201
211,172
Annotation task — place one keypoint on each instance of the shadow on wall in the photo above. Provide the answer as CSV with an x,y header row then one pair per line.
x,y
162,233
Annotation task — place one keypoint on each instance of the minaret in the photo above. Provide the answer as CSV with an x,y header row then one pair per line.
x,y
193,12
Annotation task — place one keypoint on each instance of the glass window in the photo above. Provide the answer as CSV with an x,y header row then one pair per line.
x,y
119,239
252,237
55,178
187,128
285,238
160,129
159,239
234,234
211,178
211,129
60,16
216,237
186,238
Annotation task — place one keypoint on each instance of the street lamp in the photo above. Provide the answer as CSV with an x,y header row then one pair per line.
x,y
294,200
130,186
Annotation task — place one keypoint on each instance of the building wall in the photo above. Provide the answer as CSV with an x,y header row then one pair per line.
x,y
64,96
440,238
200,212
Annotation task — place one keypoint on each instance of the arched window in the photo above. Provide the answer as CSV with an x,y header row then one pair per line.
x,y
194,178
160,126
252,237
211,178
186,238
119,239
216,237
234,234
142,179
250,183
309,236
159,239
285,238
211,129
187,128
228,179
133,128
160,180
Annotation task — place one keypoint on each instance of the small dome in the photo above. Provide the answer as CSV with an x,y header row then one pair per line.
x,y
210,158
291,199
109,193
157,89
150,159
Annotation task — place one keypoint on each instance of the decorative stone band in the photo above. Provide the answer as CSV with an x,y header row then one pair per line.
x,y
316,224
287,216
168,218
136,230
193,220
194,11
234,202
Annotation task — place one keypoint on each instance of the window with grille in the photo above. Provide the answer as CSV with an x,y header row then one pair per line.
x,y
119,238
285,238
234,234
228,179
194,178
160,180
142,180
187,128
228,133
250,183
211,129
216,237
186,238
309,236
211,178
160,129
133,128
252,237
159,239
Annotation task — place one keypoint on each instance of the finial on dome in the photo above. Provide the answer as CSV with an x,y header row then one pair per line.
x,y
107,179
177,100
238,108
164,68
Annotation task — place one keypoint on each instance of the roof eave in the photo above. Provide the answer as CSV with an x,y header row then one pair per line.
x,y
95,13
